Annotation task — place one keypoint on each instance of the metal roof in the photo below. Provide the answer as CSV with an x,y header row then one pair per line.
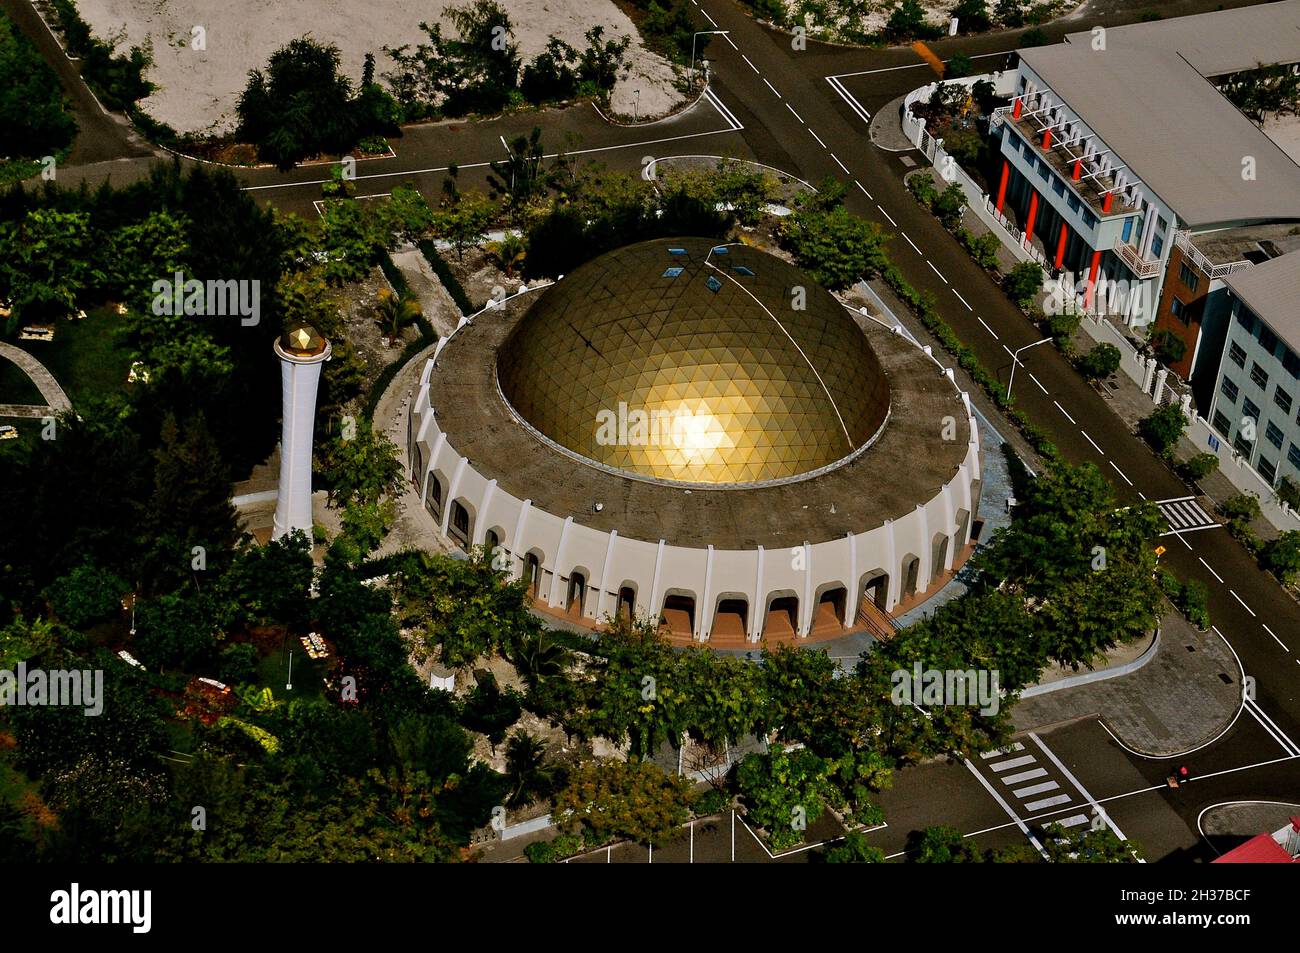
x,y
1176,132
1272,290
1224,41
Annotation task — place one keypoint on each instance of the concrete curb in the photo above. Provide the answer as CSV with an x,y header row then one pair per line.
x,y
1100,675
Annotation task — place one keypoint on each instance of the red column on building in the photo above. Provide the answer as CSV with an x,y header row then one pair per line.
x,y
1106,202
1033,213
1092,280
1016,109
1060,246
1078,170
1002,186
1047,138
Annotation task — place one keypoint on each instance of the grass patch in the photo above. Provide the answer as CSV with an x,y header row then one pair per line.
x,y
273,672
86,357
15,386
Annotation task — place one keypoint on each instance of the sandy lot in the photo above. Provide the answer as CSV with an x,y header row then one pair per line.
x,y
198,90
1285,131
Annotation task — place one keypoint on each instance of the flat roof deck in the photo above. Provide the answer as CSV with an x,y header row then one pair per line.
x,y
908,465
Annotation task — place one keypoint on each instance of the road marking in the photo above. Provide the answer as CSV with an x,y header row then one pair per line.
x,y
1105,815
1024,828
1266,628
1048,802
1025,776
504,145
722,109
1234,595
1036,789
730,41
706,15
1120,472
999,752
1064,411
817,137
771,87
751,64
987,328
1276,733
1074,820
864,191
858,109
1014,763
910,242
1090,440
1038,382
962,300
931,264
890,217
795,114
847,172
890,69
1220,578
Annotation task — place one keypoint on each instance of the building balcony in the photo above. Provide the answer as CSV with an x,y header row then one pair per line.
x,y
1211,269
1133,260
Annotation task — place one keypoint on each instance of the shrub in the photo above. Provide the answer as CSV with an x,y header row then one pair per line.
x,y
554,851
1200,466
1193,604
922,187
984,249
1099,363
1023,282
1032,38
86,595
1163,428
710,802
237,663
1281,557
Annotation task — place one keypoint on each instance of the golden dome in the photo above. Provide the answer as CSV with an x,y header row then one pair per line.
x,y
678,359
302,340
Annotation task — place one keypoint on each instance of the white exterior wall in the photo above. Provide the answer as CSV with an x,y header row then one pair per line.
x,y
610,560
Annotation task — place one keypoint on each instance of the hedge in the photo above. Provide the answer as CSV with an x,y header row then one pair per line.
x,y
445,275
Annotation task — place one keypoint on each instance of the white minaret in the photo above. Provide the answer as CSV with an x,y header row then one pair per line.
x,y
301,351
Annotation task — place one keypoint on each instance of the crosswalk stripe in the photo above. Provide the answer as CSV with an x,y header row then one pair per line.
x,y
1025,776
1014,763
999,752
1074,820
1036,789
1047,802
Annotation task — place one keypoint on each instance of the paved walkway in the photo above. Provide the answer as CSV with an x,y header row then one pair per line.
x,y
1183,697
54,396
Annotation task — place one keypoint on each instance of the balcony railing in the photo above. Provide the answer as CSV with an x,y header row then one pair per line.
x,y
1142,267
1183,240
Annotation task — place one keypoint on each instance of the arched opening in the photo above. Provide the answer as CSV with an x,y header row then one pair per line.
x,y
875,590
678,616
782,620
576,599
729,619
626,603
963,531
433,498
533,574
460,525
828,617
938,555
911,573
492,550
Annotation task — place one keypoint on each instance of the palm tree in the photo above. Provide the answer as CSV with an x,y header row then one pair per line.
x,y
510,252
536,658
393,312
525,767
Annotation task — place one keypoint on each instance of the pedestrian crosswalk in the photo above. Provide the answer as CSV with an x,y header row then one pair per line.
x,y
1185,515
1033,785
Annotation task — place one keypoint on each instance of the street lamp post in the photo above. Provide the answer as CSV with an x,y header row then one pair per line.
x,y
1015,359
693,39
636,107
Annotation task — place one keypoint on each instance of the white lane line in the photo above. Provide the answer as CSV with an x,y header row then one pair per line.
x,y
751,64
1014,763
858,109
1038,382
962,300
1075,781
706,15
1220,578
504,145
841,165
1025,776
931,264
730,41
1276,733
999,752
987,328
864,191
1090,440
1233,593
772,88
890,217
1024,828
1267,629
1036,789
910,242
723,110
890,69
817,137
795,114
1141,494
1180,536
1121,472
1064,411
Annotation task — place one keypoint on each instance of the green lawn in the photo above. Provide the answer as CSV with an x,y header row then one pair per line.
x,y
273,670
85,356
15,386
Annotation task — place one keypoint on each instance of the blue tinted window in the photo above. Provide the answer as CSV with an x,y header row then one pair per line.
x,y
677,251
672,272
742,270
720,249
714,284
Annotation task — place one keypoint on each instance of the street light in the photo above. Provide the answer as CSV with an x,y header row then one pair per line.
x,y
1015,355
693,39
636,107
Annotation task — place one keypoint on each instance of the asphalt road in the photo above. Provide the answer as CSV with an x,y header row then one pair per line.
x,y
772,103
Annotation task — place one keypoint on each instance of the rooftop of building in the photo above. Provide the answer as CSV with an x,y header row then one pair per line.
x,y
1271,290
1253,243
907,465
1174,131
1219,42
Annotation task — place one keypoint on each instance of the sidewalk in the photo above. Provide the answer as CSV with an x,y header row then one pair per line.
x,y
1187,693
